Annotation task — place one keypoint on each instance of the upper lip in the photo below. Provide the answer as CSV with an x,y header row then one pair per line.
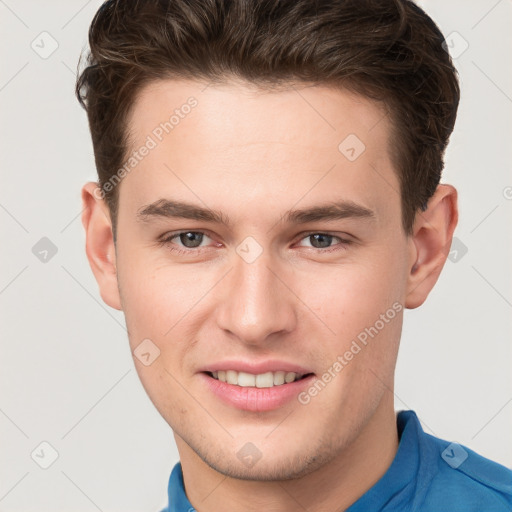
x,y
256,368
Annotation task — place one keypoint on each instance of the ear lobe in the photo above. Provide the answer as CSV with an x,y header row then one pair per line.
x,y
430,244
99,244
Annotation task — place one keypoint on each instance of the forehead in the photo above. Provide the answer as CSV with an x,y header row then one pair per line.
x,y
248,114
287,143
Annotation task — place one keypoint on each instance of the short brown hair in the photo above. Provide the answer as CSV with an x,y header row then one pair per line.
x,y
387,50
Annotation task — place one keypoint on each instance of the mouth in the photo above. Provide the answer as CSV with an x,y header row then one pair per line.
x,y
256,392
260,380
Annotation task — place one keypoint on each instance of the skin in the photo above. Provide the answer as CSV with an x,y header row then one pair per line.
x,y
254,155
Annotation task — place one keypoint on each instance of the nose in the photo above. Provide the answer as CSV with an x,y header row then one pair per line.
x,y
256,302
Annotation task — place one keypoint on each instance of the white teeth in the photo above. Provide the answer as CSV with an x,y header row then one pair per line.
x,y
245,379
262,380
265,380
278,378
289,377
231,377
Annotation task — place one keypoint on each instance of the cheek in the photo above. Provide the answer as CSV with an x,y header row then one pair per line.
x,y
155,296
157,302
353,296
362,304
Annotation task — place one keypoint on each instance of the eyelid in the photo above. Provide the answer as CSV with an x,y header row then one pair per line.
x,y
344,240
337,247
343,237
168,236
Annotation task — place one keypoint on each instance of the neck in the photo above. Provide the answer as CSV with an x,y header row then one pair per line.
x,y
334,486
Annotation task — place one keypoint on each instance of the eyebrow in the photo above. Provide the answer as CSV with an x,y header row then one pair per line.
x,y
181,210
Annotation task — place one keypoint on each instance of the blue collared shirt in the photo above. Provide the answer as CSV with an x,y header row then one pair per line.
x,y
427,475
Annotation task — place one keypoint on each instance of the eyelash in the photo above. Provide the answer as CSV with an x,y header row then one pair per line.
x,y
167,241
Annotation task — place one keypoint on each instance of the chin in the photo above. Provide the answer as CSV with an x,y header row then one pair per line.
x,y
288,465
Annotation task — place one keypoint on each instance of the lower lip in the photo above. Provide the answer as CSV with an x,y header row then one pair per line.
x,y
253,398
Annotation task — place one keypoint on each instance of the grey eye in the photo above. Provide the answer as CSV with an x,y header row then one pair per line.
x,y
191,239
320,240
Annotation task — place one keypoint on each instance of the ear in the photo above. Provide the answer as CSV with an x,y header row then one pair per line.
x,y
99,244
430,244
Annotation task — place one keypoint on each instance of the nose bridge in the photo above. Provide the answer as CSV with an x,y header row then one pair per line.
x,y
256,303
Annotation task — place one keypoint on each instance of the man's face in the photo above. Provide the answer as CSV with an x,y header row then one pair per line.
x,y
264,290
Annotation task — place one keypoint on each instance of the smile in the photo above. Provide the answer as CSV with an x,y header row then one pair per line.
x,y
257,392
261,380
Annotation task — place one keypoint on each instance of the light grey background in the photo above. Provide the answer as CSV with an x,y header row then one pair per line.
x,y
66,373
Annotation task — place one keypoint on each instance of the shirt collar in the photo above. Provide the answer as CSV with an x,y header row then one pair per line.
x,y
178,501
398,484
